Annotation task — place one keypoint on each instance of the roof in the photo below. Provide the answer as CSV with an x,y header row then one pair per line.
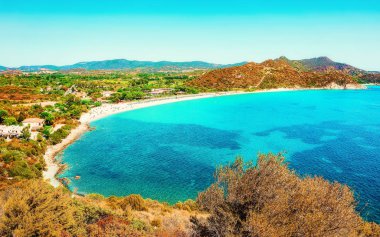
x,y
33,120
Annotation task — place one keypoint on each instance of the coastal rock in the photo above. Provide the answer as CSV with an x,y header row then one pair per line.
x,y
349,86
355,86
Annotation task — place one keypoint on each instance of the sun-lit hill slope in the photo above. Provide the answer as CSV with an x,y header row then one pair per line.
x,y
322,64
370,78
271,74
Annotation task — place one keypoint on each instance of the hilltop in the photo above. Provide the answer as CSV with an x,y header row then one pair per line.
x,y
272,74
322,64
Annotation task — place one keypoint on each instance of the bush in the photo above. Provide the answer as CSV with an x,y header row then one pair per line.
x,y
188,205
156,222
139,225
112,226
97,103
26,133
34,208
22,169
135,201
49,118
89,214
60,134
47,131
95,196
10,121
270,200
3,114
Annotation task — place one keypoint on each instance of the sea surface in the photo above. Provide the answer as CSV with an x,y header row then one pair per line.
x,y
169,152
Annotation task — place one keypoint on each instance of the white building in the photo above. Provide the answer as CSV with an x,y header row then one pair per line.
x,y
34,123
12,131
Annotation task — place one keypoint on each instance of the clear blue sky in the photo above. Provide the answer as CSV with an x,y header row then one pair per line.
x,y
64,32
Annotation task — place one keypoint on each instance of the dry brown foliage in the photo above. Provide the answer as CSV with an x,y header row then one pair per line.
x,y
270,200
34,208
269,74
134,201
20,93
112,226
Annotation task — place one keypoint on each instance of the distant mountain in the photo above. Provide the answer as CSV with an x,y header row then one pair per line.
x,y
123,64
277,73
313,64
322,64
128,64
38,68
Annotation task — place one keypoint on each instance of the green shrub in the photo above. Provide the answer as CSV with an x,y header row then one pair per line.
x,y
26,133
3,115
139,225
22,169
10,121
60,134
89,214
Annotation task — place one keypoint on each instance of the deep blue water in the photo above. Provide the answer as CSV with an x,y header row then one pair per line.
x,y
169,152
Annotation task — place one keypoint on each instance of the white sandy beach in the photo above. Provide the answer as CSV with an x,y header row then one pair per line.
x,y
109,109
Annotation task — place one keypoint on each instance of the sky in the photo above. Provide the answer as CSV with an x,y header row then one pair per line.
x,y
58,32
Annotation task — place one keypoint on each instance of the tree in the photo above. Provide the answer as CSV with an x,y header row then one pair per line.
x,y
10,121
3,114
25,134
21,116
49,118
47,131
271,200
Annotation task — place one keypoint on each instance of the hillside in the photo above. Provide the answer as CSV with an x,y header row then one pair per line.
x,y
270,74
123,64
370,78
322,64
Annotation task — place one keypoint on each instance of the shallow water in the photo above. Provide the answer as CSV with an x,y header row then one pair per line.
x,y
169,152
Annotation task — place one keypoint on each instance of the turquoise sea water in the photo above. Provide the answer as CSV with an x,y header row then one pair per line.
x,y
169,152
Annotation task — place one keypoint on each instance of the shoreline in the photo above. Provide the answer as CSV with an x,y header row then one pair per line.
x,y
53,167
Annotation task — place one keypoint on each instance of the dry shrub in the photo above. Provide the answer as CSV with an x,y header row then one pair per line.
x,y
369,229
270,200
113,202
135,201
156,222
171,233
95,196
112,226
166,208
35,208
189,205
